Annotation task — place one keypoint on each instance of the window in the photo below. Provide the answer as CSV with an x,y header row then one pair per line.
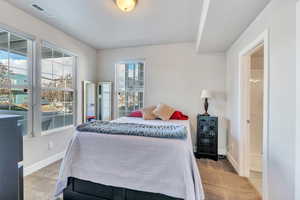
x,y
130,87
56,76
15,78
57,88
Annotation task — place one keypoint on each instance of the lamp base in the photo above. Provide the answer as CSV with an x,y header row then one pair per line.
x,y
206,107
205,114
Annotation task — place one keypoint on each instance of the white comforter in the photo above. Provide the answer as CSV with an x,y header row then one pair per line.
x,y
157,165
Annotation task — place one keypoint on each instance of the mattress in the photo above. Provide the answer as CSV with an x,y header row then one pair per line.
x,y
157,165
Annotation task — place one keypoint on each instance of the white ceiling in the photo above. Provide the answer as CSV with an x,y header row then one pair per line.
x,y
101,24
225,22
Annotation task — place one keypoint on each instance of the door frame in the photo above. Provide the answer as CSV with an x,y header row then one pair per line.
x,y
115,93
244,74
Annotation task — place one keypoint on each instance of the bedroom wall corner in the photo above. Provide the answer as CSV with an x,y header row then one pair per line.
x,y
175,75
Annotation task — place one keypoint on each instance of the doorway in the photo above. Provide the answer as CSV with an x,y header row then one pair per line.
x,y
256,94
254,112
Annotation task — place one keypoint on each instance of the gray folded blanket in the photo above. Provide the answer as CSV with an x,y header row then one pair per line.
x,y
132,129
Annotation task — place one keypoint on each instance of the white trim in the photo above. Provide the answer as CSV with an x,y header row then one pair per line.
x,y
128,61
244,110
98,84
20,164
58,89
43,163
194,148
39,88
115,93
14,31
84,99
222,151
256,162
31,42
48,44
203,18
233,162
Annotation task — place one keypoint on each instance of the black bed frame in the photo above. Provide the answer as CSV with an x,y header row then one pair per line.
x,y
84,190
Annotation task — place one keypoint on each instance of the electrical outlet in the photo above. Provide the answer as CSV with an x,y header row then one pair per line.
x,y
50,145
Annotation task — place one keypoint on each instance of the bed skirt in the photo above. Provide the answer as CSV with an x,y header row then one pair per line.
x,y
85,190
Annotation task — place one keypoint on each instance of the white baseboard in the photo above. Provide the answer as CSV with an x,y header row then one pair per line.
x,y
256,162
233,162
222,152
195,148
43,163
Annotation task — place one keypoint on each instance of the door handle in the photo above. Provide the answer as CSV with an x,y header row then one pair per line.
x,y
248,121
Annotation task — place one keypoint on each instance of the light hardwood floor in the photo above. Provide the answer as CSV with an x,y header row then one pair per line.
x,y
219,179
221,182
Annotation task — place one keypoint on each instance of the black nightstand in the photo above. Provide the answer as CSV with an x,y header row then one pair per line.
x,y
207,137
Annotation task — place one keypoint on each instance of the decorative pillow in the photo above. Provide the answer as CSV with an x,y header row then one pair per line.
x,y
177,115
164,112
136,113
148,113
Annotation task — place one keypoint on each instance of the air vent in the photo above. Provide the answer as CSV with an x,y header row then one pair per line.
x,y
38,7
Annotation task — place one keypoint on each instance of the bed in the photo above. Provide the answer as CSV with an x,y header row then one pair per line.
x,y
119,167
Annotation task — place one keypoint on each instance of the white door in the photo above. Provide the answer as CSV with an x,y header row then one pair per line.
x,y
129,87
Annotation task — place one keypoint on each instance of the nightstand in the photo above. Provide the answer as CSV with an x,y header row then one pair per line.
x,y
207,137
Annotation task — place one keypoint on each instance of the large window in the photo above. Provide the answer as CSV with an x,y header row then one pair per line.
x,y
51,85
57,88
130,87
15,78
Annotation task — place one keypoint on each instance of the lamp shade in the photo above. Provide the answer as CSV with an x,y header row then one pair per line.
x,y
206,94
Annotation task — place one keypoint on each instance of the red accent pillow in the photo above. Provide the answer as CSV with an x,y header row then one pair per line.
x,y
136,113
179,116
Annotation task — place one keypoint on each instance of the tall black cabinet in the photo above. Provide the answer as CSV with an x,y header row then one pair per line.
x,y
207,137
11,157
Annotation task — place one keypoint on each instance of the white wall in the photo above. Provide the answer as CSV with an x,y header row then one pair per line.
x,y
36,149
279,17
297,176
175,75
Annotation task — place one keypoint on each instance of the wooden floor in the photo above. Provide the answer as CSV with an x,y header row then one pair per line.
x,y
40,185
219,180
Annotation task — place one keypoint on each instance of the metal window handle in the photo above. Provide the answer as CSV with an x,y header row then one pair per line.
x,y
248,121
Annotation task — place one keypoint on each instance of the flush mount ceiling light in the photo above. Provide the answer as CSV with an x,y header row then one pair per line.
x,y
126,5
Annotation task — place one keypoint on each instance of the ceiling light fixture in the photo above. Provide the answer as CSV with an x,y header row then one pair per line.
x,y
126,5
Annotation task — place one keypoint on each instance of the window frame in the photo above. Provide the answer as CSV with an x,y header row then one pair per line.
x,y
129,61
30,71
38,111
34,82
